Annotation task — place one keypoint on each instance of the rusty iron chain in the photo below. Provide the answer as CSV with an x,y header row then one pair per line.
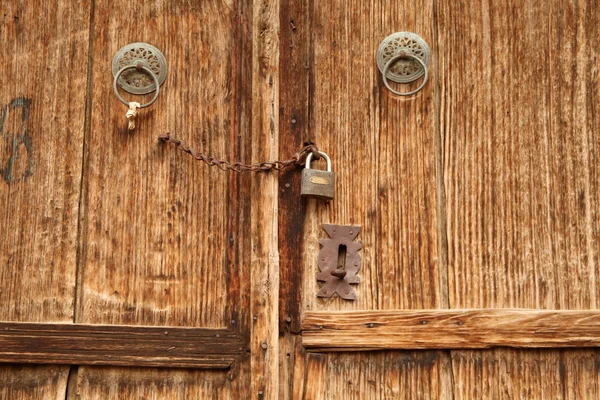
x,y
224,165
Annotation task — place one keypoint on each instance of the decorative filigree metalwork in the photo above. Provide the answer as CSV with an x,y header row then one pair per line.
x,y
403,70
136,81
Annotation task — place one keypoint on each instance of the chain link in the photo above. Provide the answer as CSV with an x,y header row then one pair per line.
x,y
224,165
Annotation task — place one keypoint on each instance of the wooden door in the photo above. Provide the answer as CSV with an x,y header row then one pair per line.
x,y
130,270
479,193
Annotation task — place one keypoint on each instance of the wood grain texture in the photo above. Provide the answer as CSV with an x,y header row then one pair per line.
x,y
42,103
43,59
518,124
294,76
167,347
264,262
377,375
19,382
315,377
165,240
146,383
154,228
383,154
450,329
519,105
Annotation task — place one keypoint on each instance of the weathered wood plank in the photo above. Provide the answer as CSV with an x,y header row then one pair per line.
x,y
26,382
43,68
294,50
146,383
164,239
264,262
378,375
154,233
316,376
508,374
42,111
383,154
519,106
384,157
168,347
450,329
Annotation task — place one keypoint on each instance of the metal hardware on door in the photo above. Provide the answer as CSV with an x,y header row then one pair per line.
x,y
403,57
138,68
339,261
318,184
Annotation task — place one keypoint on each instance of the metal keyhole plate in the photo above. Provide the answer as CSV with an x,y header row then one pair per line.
x,y
403,70
136,81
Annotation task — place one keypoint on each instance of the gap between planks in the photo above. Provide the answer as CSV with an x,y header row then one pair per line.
x,y
450,329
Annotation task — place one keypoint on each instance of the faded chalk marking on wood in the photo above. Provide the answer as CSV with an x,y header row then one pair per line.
x,y
14,141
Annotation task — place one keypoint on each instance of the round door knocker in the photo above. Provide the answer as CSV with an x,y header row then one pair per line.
x,y
138,68
403,57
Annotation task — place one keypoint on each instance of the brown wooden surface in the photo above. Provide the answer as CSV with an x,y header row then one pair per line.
x,y
450,329
165,240
519,104
43,69
481,191
142,346
383,152
509,127
144,383
294,126
264,259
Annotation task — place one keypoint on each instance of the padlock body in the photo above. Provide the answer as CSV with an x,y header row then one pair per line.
x,y
318,184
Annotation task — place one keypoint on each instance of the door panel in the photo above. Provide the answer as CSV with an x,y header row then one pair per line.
x,y
521,181
157,253
43,65
383,153
162,239
486,182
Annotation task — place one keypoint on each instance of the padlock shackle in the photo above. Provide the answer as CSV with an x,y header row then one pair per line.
x,y
322,154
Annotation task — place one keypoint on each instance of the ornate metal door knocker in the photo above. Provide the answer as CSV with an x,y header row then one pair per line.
x,y
403,57
339,261
138,68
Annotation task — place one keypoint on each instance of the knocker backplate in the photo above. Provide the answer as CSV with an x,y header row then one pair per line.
x,y
403,71
137,81
338,278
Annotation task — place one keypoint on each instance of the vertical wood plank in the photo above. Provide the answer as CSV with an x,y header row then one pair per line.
x,y
154,230
264,289
377,375
43,64
19,382
519,95
315,376
294,50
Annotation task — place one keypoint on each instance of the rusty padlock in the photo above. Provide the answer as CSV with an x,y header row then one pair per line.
x,y
316,183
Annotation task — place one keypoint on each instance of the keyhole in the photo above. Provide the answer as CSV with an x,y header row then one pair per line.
x,y
340,271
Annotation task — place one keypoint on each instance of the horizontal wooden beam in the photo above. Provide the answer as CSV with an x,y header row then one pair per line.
x,y
140,346
449,329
